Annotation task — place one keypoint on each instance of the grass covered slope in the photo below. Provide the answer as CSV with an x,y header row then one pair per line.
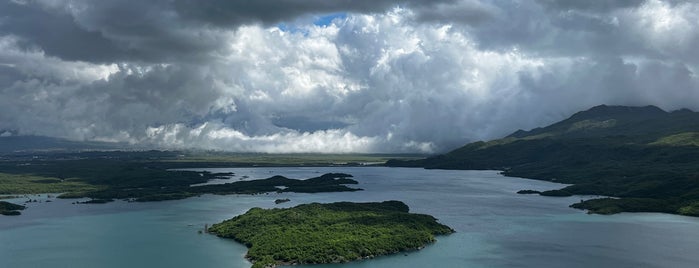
x,y
29,184
329,233
644,155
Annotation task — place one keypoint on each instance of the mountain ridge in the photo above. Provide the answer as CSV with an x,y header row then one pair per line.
x,y
644,155
31,143
614,118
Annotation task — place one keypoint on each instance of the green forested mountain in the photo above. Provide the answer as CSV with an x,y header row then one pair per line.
x,y
646,156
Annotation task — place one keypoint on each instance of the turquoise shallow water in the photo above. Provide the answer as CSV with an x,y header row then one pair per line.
x,y
495,227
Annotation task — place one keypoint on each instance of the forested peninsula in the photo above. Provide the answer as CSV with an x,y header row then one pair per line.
x,y
140,177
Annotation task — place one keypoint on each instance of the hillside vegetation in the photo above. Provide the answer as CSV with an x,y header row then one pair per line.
x,y
644,155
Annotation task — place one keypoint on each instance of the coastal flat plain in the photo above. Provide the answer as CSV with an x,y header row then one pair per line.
x,y
494,226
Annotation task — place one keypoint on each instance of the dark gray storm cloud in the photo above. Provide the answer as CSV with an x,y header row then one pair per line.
x,y
234,13
384,76
54,32
106,31
595,5
464,12
157,30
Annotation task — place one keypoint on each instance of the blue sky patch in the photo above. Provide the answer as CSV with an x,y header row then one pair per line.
x,y
328,19
298,26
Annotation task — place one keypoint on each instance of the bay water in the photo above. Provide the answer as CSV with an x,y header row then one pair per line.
x,y
495,227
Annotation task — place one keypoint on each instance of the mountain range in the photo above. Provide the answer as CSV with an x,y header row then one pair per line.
x,y
12,144
645,158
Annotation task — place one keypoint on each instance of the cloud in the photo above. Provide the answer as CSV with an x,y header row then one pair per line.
x,y
109,31
395,76
52,30
158,30
597,5
268,12
217,137
469,12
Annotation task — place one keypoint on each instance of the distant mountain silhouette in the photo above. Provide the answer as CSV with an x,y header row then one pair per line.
x,y
41,143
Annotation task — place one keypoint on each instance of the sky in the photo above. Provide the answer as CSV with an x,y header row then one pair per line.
x,y
334,76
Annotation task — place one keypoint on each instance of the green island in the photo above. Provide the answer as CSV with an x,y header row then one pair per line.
x,y
10,209
329,233
644,157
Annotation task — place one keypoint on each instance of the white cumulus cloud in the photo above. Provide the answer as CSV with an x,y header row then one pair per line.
x,y
408,76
